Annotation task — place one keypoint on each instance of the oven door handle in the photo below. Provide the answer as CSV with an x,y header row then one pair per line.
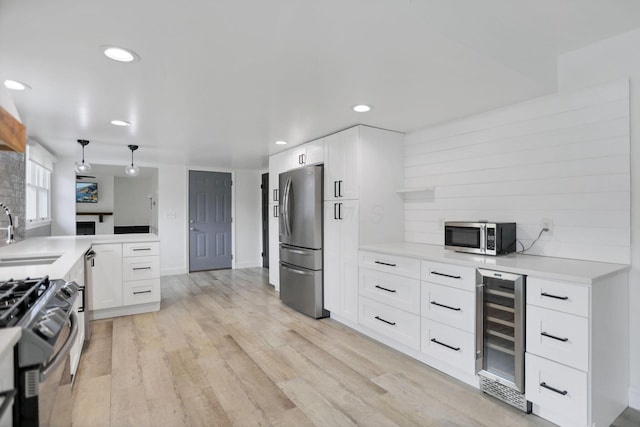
x,y
62,354
8,399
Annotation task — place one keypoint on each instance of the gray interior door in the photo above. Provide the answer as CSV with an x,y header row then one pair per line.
x,y
209,220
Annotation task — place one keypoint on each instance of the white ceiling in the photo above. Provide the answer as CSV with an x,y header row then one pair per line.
x,y
220,80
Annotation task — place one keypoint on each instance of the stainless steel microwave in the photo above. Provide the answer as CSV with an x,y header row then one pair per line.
x,y
486,238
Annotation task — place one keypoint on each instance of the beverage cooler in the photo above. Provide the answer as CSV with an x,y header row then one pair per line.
x,y
500,335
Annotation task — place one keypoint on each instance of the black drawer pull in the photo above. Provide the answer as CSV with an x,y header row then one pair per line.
x,y
544,334
386,321
446,275
142,292
142,268
385,289
141,249
385,263
445,345
548,387
544,294
446,306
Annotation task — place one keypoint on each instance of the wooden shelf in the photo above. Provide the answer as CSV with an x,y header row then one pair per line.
x,y
98,214
13,135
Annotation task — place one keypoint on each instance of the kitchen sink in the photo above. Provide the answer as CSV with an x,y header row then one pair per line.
x,y
28,260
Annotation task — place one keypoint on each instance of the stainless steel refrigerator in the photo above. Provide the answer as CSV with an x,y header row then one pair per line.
x,y
300,224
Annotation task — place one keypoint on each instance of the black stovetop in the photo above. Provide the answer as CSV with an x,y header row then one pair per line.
x,y
17,296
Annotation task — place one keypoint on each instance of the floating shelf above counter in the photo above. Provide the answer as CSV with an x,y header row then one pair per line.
x,y
415,190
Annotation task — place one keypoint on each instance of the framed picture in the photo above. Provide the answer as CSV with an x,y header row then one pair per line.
x,y
86,192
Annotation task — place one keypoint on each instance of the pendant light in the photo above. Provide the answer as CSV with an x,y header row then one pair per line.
x,y
132,170
83,167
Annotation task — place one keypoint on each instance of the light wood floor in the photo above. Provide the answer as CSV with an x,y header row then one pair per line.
x,y
224,351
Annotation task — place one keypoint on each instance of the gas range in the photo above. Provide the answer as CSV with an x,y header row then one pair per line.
x,y
43,309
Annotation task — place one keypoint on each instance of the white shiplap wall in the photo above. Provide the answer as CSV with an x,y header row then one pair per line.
x,y
560,160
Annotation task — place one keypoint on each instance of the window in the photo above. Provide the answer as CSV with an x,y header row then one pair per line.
x,y
38,183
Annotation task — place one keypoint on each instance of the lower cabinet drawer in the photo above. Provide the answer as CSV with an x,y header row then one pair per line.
x,y
397,291
451,306
558,336
389,321
141,291
558,392
450,275
451,345
140,268
402,266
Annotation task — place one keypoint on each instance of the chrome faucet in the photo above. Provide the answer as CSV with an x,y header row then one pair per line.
x,y
10,236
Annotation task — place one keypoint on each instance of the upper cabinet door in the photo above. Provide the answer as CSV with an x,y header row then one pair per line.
x,y
341,168
314,152
277,165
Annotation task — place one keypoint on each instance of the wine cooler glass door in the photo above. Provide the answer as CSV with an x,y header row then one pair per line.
x,y
501,327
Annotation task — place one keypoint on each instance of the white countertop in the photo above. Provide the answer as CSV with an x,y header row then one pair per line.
x,y
570,270
8,338
70,249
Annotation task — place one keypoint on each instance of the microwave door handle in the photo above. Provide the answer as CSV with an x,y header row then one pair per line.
x,y
483,238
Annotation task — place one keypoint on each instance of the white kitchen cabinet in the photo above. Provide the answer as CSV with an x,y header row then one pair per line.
x,y
341,259
274,247
106,276
576,364
125,279
341,174
311,153
448,303
140,273
389,297
277,165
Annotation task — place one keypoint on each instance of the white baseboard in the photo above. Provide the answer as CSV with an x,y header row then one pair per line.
x,y
249,264
173,271
634,397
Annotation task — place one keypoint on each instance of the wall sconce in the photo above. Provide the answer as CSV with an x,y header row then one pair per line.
x,y
132,170
83,167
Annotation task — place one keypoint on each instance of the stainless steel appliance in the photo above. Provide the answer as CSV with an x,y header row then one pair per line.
x,y
500,335
43,308
486,238
300,224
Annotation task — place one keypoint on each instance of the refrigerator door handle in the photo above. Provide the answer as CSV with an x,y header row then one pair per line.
x,y
298,271
287,206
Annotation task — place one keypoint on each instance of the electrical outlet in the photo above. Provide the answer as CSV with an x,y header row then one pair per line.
x,y
547,224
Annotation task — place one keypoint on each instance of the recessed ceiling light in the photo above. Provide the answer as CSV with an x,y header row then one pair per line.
x,y
281,142
15,85
362,108
120,123
120,54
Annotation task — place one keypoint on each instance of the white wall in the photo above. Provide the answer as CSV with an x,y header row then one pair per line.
x,y
105,203
605,61
63,198
247,220
562,160
172,219
131,201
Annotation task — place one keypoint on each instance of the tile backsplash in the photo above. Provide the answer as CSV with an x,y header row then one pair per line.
x,y
12,192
